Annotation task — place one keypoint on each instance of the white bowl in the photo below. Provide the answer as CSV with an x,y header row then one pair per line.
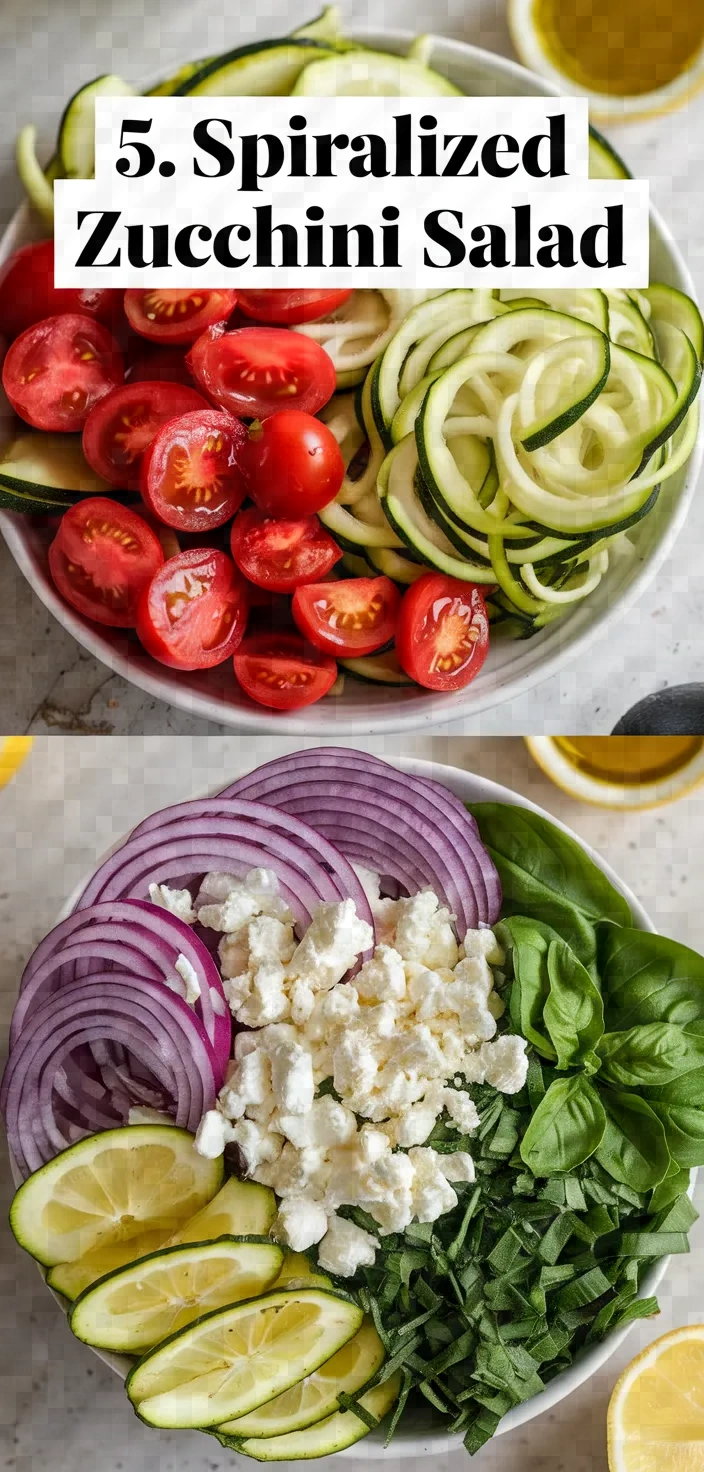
x,y
512,666
414,1438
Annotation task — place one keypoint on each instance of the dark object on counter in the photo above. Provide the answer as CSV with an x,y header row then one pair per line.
x,y
677,711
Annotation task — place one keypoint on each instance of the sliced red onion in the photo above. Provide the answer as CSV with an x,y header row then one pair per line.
x,y
371,810
154,1026
233,837
135,939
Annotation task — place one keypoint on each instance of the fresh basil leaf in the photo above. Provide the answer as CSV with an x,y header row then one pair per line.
x,y
684,1132
648,978
654,1054
566,1128
527,942
634,1148
546,874
573,1012
687,1090
671,1187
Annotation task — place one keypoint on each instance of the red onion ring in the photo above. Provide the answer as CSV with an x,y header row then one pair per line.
x,y
342,793
136,938
154,1026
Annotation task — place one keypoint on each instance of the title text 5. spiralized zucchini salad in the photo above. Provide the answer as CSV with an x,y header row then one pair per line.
x,y
334,1101
321,484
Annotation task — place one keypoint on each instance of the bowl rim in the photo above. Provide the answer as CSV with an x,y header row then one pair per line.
x,y
537,659
410,1443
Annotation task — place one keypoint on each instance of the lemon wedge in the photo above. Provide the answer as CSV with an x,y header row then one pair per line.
x,y
13,750
656,1412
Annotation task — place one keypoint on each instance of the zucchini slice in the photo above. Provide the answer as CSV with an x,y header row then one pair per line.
x,y
314,1398
407,515
264,69
39,188
670,305
361,73
378,669
136,1307
229,1362
75,144
46,473
333,1434
240,1209
325,27
604,161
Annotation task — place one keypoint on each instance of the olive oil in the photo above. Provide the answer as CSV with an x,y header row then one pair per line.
x,y
623,47
629,760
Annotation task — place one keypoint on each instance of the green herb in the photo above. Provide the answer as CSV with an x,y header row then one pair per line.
x,y
547,875
566,1129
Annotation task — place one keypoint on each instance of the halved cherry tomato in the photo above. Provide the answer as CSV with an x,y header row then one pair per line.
x,y
194,612
190,475
102,558
254,371
28,294
165,365
58,369
442,637
280,554
292,464
289,307
164,314
353,617
282,671
124,423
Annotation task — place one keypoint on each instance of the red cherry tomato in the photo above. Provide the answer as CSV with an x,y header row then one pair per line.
x,y
292,464
102,558
154,365
167,315
194,612
190,474
124,423
442,638
58,369
278,554
291,307
352,617
256,370
28,294
282,671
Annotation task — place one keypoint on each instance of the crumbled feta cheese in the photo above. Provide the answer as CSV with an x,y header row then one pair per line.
x,y
177,901
354,1067
330,945
345,1248
432,1194
233,953
302,1002
140,1114
424,931
462,1110
257,1143
326,1123
213,1134
370,883
382,979
505,1063
483,943
458,1166
266,999
269,939
234,912
189,977
299,1223
292,1081
249,1082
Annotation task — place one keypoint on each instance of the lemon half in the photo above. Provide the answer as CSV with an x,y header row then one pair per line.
x,y
656,1412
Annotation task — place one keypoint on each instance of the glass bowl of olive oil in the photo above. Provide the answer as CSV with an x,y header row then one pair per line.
x,y
632,58
625,772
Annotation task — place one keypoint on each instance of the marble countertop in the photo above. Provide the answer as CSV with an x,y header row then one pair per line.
x,y
60,1407
47,682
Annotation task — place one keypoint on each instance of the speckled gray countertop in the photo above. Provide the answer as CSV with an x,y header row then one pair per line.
x,y
47,682
60,1409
